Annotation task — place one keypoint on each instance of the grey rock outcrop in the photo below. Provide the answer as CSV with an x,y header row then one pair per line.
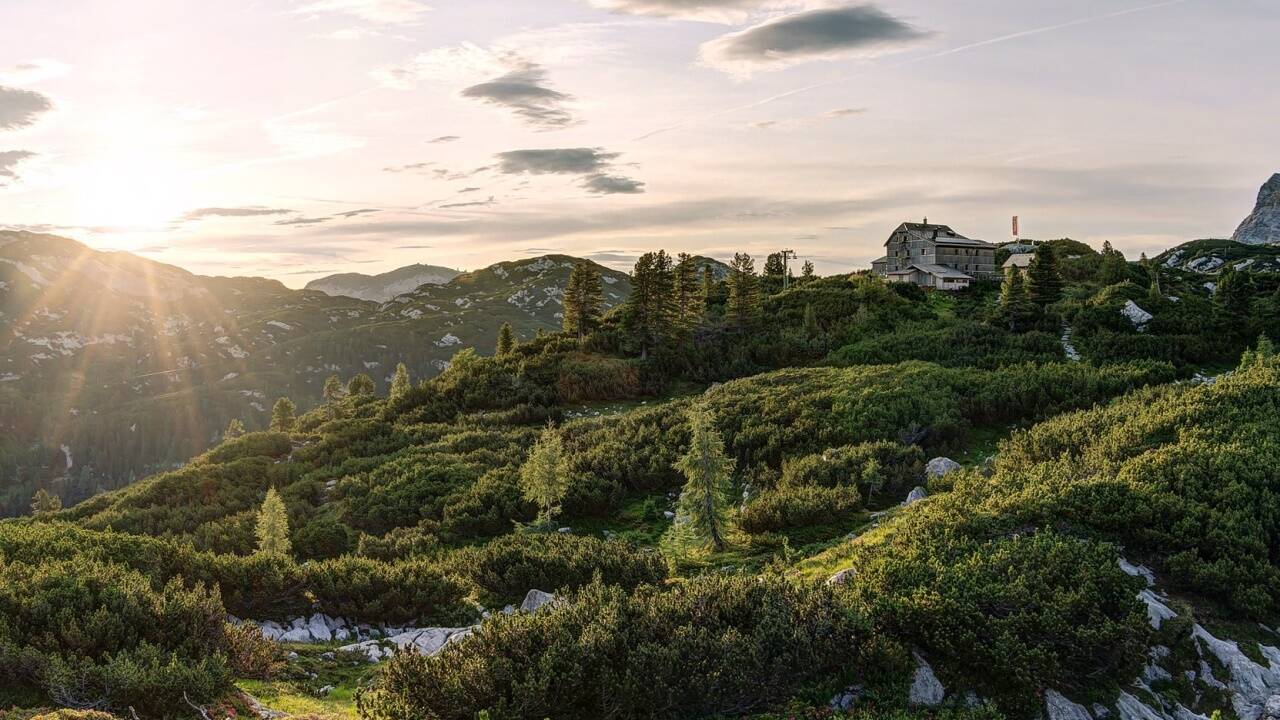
x,y
1058,707
926,689
916,496
1262,227
940,466
1136,315
535,600
842,577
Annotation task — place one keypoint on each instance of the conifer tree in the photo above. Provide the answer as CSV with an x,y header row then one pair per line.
x,y
773,266
45,503
806,272
272,528
1113,268
704,502
1233,294
282,416
810,321
235,429
583,301
400,384
743,307
544,477
650,312
333,389
708,285
361,384
690,305
1015,303
506,340
1044,282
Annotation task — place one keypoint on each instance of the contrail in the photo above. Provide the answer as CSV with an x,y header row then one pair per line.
x,y
926,58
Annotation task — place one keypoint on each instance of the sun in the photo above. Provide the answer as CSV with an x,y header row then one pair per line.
x,y
132,193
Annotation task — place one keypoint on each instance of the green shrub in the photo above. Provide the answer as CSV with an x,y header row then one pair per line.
x,y
510,566
90,634
795,507
716,645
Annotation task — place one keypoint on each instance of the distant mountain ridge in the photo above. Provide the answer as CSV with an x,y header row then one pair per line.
x,y
384,286
134,366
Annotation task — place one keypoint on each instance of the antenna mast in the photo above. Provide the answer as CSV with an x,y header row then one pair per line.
x,y
786,272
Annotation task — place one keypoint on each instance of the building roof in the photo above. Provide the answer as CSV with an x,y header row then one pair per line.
x,y
879,260
941,234
1019,260
941,272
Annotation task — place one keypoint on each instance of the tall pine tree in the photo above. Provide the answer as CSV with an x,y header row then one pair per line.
x,y
506,339
400,384
650,313
743,307
1015,302
690,304
235,429
1113,268
583,301
282,416
1044,282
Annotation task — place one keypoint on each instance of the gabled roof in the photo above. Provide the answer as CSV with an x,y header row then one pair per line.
x,y
884,259
941,234
1019,260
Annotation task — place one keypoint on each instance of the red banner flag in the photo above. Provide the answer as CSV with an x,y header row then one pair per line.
x,y
1015,226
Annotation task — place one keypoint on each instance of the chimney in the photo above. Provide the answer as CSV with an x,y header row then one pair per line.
x,y
926,220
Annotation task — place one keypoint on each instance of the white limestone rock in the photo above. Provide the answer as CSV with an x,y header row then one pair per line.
x,y
1136,315
1252,686
926,689
535,600
844,576
1262,227
1058,707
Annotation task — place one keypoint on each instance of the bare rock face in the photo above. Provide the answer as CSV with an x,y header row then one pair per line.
x,y
1262,227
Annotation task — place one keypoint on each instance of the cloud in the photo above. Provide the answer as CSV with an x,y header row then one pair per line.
x,y
19,108
353,213
209,212
559,161
524,91
33,71
823,34
801,122
403,168
301,221
477,203
443,139
721,11
413,247
383,12
9,159
612,185
469,190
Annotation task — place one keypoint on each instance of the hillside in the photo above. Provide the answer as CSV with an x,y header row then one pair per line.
x,y
1210,256
384,286
113,366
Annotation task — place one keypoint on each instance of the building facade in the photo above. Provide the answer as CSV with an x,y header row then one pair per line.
x,y
935,256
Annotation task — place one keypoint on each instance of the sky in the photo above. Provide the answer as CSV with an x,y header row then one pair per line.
x,y
299,138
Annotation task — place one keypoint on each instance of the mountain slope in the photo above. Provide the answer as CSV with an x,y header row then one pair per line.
x,y
385,286
1262,227
1211,256
113,366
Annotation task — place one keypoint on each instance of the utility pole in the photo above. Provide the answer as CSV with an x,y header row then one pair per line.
x,y
786,272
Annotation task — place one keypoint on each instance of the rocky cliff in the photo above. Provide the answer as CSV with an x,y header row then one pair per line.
x,y
1262,227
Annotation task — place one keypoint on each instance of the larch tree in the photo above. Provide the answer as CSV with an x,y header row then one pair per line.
x,y
272,527
283,418
583,301
743,307
45,503
506,340
704,503
400,383
544,477
235,429
1044,281
361,384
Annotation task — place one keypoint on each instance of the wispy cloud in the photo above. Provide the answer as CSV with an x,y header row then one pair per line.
x,y
792,123
560,161
33,71
612,185
526,93
822,34
718,11
211,212
383,12
19,108
477,203
302,221
443,139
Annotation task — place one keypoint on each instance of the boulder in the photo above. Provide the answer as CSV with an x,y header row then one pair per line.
x,y
1262,227
847,699
1136,315
318,627
916,496
1058,707
842,577
1272,709
939,467
926,689
535,600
